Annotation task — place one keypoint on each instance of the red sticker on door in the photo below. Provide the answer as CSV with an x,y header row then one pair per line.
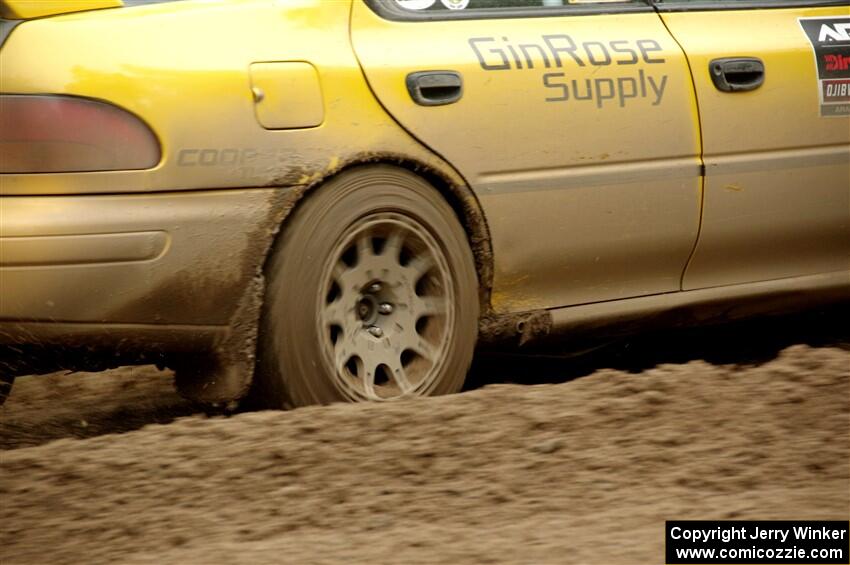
x,y
830,40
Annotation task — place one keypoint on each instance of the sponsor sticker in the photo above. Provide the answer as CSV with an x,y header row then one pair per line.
x,y
455,4
830,40
415,4
646,83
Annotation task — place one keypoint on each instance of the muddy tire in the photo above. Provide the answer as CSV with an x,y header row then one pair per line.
x,y
371,295
5,387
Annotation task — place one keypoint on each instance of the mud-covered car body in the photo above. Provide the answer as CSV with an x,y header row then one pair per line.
x,y
600,171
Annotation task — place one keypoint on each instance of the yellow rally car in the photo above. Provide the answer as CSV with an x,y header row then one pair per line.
x,y
305,201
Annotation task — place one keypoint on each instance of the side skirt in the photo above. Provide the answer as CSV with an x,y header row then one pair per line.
x,y
703,306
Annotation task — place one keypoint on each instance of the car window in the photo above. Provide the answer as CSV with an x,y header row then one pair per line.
x,y
684,5
446,5
131,3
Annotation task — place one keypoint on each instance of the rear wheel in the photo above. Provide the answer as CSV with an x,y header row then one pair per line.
x,y
371,296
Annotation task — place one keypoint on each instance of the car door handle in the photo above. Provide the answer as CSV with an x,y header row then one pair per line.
x,y
737,74
435,88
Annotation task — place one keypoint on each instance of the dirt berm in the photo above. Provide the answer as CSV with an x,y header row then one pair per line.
x,y
584,471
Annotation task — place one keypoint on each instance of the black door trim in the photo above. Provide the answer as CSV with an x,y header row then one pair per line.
x,y
711,6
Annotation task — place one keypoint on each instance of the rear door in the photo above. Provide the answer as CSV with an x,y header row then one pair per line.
x,y
574,122
777,145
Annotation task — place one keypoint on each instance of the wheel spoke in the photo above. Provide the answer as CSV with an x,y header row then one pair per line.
x,y
429,306
368,379
399,375
338,272
364,247
424,349
420,265
359,344
392,246
341,357
335,314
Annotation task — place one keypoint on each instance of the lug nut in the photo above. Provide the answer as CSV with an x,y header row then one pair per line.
x,y
385,308
376,331
375,287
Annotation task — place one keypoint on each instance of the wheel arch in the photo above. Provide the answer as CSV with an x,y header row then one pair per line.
x,y
227,373
454,190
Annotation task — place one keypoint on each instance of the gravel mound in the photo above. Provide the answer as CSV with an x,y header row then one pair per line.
x,y
582,471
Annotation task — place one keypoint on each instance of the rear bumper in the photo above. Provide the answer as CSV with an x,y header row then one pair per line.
x,y
144,264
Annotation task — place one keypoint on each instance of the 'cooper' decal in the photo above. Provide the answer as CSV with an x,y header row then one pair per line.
x,y
830,39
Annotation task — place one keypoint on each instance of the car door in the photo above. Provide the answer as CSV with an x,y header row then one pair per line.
x,y
575,125
776,136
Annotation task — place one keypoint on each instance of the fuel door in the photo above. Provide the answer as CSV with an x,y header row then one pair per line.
x,y
287,95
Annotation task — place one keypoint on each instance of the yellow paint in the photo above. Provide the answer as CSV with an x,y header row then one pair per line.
x,y
287,95
508,119
512,295
594,198
589,208
26,9
785,111
777,182
192,86
504,302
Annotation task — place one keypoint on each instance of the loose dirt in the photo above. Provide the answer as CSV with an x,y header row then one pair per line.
x,y
572,470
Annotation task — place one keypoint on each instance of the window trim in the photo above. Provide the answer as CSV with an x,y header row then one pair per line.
x,y
388,10
721,5
6,27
